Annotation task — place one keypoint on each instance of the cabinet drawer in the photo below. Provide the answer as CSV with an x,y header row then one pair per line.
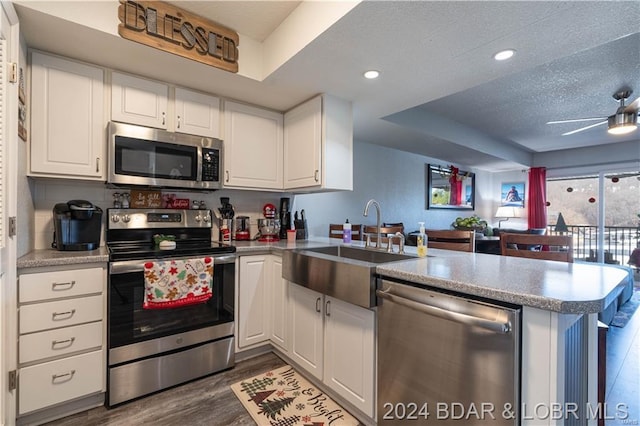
x,y
53,382
62,341
62,313
54,285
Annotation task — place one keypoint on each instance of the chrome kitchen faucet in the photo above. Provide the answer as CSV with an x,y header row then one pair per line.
x,y
378,214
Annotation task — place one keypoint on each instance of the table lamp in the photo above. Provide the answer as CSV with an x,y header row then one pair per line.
x,y
506,213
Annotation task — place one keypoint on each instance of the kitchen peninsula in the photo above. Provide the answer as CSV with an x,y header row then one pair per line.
x,y
556,300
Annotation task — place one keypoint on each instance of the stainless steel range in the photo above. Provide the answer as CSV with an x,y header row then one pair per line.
x,y
152,349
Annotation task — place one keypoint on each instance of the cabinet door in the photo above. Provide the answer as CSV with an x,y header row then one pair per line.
x,y
279,306
253,147
305,313
68,120
349,364
138,101
303,145
197,113
253,301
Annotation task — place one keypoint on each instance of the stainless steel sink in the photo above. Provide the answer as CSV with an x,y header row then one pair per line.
x,y
346,273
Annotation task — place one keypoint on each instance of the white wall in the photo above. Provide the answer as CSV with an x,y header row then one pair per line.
x,y
25,208
397,180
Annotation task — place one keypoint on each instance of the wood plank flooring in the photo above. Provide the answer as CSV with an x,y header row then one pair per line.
x,y
623,371
208,401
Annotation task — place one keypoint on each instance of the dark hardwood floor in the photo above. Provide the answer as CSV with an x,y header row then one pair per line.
x,y
208,401
623,372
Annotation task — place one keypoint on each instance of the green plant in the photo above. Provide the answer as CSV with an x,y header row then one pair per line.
x,y
472,222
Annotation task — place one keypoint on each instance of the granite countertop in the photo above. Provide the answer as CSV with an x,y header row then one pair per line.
x,y
555,286
578,288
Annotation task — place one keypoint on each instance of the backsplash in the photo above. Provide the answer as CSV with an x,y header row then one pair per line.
x,y
47,193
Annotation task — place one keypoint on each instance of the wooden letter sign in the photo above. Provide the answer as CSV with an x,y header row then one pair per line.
x,y
174,30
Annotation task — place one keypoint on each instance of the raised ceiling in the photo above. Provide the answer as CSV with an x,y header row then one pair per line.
x,y
440,93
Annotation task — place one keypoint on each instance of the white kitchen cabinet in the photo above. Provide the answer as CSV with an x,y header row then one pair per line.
x,y
62,336
279,306
139,101
307,328
197,113
334,341
67,119
349,352
318,145
253,143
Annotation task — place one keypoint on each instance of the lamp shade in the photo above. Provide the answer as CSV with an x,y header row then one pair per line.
x,y
508,212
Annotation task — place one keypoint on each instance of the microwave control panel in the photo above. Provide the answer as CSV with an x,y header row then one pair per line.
x,y
210,164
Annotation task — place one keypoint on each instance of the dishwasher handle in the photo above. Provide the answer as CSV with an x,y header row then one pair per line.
x,y
495,326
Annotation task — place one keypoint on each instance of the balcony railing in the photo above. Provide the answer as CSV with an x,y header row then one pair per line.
x,y
619,242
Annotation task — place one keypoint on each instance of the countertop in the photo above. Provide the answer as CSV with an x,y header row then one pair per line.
x,y
555,286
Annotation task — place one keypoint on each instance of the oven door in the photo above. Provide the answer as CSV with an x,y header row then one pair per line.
x,y
135,332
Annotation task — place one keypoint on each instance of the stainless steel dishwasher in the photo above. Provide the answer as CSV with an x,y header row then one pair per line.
x,y
446,359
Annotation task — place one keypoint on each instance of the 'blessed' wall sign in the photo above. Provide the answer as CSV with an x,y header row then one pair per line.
x,y
169,28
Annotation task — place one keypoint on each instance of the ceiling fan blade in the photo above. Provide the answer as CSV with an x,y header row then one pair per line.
x,y
584,128
633,106
576,120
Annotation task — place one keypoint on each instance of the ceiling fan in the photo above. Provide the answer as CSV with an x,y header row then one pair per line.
x,y
625,119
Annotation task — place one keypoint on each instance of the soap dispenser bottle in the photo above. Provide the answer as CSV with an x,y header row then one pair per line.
x,y
422,241
346,232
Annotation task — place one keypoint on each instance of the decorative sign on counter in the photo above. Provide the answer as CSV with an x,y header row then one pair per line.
x,y
174,30
145,199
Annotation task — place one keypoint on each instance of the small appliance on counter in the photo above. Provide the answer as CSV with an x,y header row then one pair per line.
x,y
269,227
243,232
77,226
285,217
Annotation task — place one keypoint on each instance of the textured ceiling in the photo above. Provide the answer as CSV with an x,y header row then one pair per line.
x,y
440,93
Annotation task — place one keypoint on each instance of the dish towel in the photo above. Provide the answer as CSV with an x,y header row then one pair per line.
x,y
174,283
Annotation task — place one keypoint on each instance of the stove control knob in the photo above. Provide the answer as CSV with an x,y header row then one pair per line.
x,y
115,218
207,218
198,218
126,218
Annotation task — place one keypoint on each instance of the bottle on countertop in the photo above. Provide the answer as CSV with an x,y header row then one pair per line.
x,y
346,232
422,241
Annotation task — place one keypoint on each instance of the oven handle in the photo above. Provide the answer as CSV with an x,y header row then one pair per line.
x,y
126,266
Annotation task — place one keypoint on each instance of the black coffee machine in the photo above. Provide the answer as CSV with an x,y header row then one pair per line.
x,y
285,217
77,226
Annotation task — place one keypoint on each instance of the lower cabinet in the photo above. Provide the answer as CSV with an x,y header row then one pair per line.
x,y
62,340
262,302
334,341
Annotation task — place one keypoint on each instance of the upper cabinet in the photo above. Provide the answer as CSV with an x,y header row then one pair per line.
x,y
252,147
197,113
67,119
139,101
318,145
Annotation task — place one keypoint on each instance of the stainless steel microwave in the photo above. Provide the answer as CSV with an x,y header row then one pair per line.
x,y
153,157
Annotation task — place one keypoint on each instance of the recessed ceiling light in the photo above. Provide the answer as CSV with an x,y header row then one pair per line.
x,y
503,55
371,74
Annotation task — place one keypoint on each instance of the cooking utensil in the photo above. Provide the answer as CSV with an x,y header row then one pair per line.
x,y
269,230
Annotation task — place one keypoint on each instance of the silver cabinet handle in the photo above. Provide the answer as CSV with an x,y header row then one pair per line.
x,y
327,306
61,378
163,118
67,314
178,122
67,286
227,174
318,304
496,326
62,344
316,175
97,164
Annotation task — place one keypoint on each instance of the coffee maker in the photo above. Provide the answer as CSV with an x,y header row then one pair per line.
x,y
77,226
285,217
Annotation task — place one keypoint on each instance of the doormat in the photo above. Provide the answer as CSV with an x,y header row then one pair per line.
x,y
282,397
626,311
